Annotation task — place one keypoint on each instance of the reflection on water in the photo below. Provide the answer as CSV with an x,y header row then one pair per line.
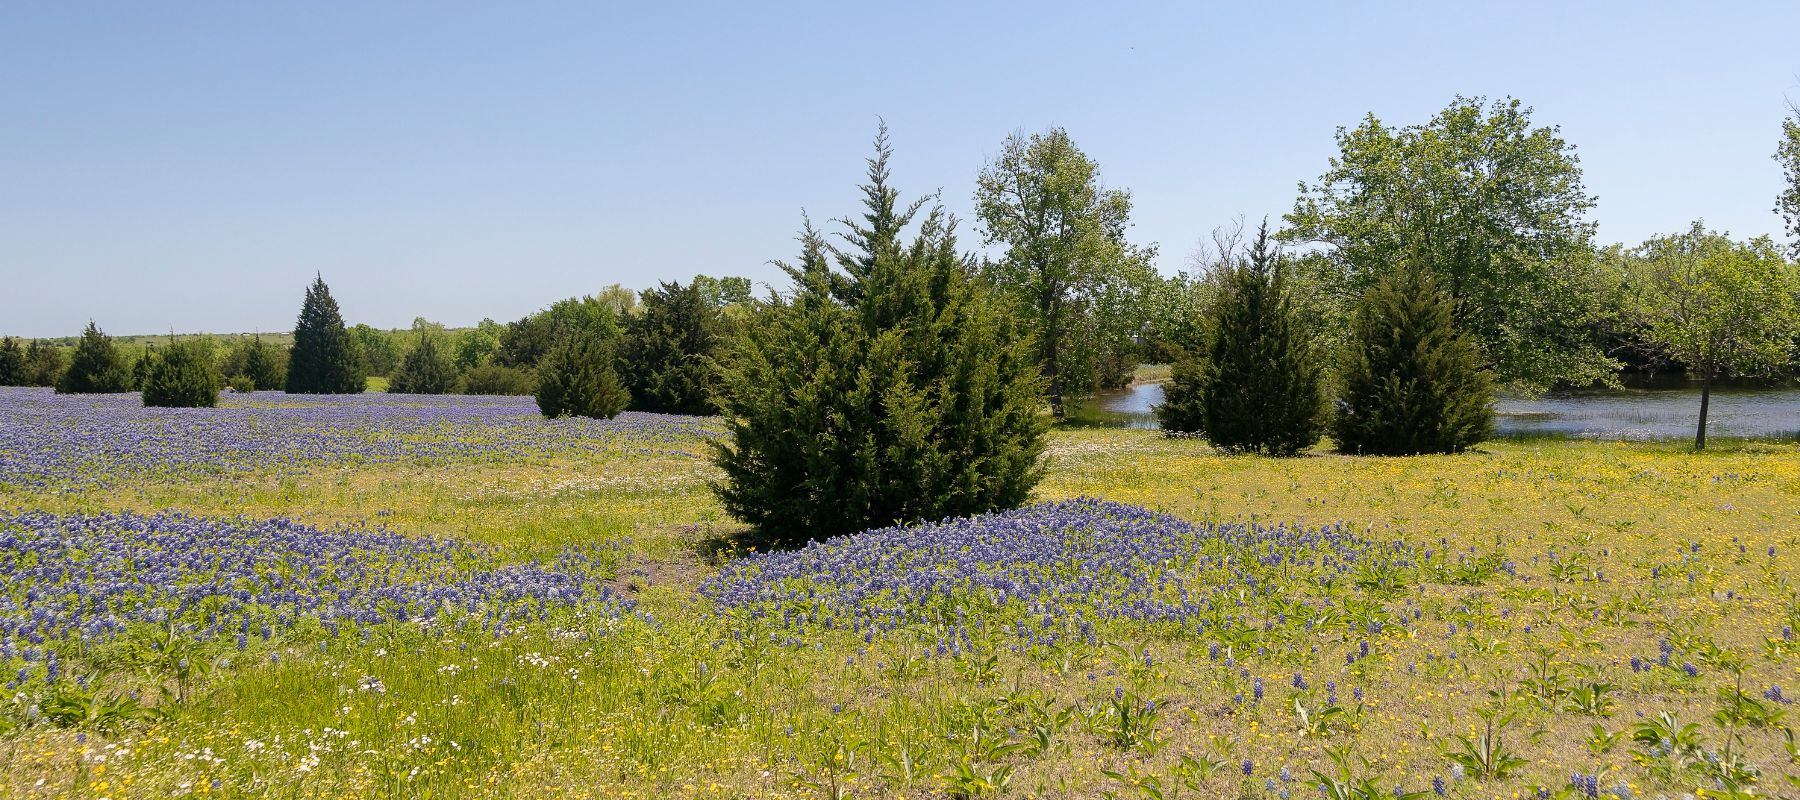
x,y
1641,414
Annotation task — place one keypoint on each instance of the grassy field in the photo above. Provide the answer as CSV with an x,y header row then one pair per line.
x,y
1547,603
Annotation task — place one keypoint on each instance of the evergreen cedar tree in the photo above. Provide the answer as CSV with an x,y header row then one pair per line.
x,y
577,378
182,375
667,352
265,365
97,366
1412,382
894,388
12,363
324,359
1258,387
426,369
43,364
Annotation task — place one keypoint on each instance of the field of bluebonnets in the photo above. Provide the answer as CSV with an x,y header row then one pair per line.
x,y
452,596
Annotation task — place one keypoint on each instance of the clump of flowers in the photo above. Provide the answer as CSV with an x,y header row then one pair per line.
x,y
68,582
1045,570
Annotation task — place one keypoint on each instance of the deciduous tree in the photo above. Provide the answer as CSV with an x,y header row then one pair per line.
x,y
1066,267
1490,205
1718,306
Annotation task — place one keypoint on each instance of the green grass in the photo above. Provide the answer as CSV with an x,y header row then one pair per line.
x,y
687,707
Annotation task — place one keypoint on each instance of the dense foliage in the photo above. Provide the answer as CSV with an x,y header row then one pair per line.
x,y
43,364
526,341
379,351
325,358
185,374
893,388
667,353
1258,385
97,367
12,362
1494,208
257,363
497,380
1412,382
427,368
1067,269
578,379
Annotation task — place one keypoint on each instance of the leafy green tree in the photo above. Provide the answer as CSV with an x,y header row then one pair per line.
x,y
1495,209
666,356
1412,382
577,379
427,368
1258,386
893,388
12,362
325,358
184,374
1719,307
380,352
526,341
43,364
1066,266
495,379
97,366
1787,204
476,345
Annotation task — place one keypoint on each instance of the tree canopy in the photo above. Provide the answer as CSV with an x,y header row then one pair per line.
x,y
1720,307
1490,205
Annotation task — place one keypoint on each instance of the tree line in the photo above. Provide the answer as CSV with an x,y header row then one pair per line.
x,y
899,377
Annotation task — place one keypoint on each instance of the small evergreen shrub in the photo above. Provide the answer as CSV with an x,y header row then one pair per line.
x,y
1412,382
577,378
426,369
97,366
184,374
1258,387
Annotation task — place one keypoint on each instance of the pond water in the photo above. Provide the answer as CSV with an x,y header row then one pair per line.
x,y
1662,411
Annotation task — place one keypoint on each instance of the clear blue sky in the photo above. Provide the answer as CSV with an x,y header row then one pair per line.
x,y
187,166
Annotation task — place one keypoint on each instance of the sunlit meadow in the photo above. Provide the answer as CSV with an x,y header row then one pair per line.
x,y
452,597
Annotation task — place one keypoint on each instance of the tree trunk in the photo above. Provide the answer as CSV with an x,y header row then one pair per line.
x,y
1055,376
1705,400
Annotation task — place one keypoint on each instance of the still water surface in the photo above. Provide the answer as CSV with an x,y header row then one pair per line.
x,y
1663,412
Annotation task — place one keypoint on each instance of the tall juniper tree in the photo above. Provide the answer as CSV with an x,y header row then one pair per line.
x,y
96,367
1258,386
1412,381
894,388
324,359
